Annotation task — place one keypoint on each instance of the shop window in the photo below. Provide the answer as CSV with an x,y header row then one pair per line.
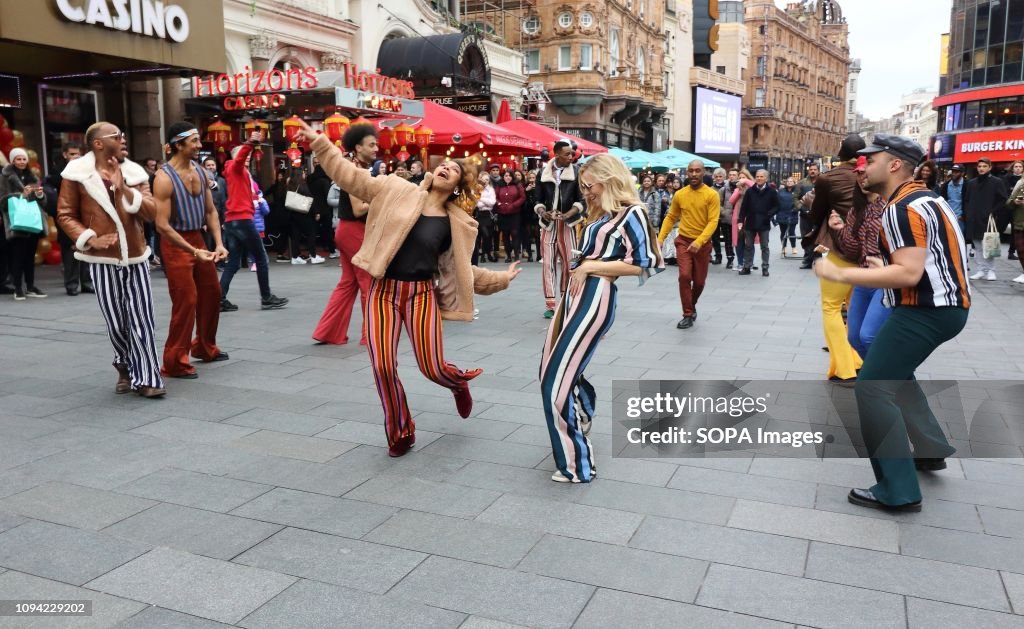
x,y
997,23
586,56
531,59
972,115
565,57
531,25
1012,61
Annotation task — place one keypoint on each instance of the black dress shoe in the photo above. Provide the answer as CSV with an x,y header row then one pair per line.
x,y
6,290
219,357
186,376
1012,256
89,290
744,271
843,382
805,266
684,323
864,498
716,260
729,263
929,465
764,272
72,292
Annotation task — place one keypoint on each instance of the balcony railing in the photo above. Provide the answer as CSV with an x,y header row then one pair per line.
x,y
714,80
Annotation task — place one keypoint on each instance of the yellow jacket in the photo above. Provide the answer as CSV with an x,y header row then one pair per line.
x,y
395,206
696,211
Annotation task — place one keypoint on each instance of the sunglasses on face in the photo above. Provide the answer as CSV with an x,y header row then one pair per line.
x,y
587,186
119,135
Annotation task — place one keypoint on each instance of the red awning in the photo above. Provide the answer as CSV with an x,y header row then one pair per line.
x,y
454,128
547,135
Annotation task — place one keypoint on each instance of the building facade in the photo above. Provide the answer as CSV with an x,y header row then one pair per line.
x,y
980,106
851,97
795,105
600,62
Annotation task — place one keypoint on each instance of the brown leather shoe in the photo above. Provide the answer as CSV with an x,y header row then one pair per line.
x,y
124,380
151,392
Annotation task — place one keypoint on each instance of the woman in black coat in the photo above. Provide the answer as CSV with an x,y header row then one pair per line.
x,y
18,181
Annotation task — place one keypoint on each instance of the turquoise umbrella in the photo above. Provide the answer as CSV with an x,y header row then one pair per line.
x,y
675,158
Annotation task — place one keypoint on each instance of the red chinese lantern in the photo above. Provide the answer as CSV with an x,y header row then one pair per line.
x,y
335,126
251,127
404,134
291,127
422,137
386,139
222,136
294,154
361,120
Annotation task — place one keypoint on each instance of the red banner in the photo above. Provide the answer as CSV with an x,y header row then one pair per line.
x,y
998,146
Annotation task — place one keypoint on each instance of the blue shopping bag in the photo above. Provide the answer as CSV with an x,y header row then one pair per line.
x,y
25,215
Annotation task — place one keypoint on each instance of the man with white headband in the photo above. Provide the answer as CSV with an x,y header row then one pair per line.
x,y
184,208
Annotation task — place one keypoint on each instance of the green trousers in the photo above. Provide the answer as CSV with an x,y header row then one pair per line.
x,y
893,409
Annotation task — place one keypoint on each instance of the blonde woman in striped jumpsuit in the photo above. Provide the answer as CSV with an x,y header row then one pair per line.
x,y
618,241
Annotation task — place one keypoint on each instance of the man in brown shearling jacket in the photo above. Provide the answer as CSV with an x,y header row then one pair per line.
x,y
103,202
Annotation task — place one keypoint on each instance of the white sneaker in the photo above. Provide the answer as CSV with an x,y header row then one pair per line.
x,y
558,477
316,260
978,275
298,261
1019,279
334,256
991,276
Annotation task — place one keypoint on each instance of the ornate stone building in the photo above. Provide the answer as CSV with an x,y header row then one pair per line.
x,y
600,62
795,104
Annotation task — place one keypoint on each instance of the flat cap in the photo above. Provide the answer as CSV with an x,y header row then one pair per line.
x,y
899,146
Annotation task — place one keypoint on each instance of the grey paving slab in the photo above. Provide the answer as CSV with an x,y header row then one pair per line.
x,y
970,549
9,520
208,410
470,540
660,501
368,461
899,574
111,417
200,586
192,489
309,604
616,567
73,505
302,475
722,544
512,480
823,526
803,601
193,530
337,516
1014,584
16,451
611,609
293,446
515,597
32,406
193,430
939,513
749,486
106,610
159,618
452,424
425,495
280,421
971,492
331,559
922,614
210,458
15,426
371,434
552,516
479,622
62,553
487,450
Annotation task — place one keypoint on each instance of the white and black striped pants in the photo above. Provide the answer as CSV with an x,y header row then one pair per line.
x,y
126,302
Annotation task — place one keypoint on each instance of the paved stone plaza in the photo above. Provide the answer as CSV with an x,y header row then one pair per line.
x,y
261,495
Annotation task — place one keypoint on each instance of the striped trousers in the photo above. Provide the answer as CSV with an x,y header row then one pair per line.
x,y
126,303
390,305
556,244
578,325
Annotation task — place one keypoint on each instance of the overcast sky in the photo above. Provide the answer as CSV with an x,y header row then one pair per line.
x,y
898,43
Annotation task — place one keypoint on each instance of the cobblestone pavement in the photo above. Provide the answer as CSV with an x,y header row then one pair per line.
x,y
261,496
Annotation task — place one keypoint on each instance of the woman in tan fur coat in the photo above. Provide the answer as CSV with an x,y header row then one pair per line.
x,y
417,248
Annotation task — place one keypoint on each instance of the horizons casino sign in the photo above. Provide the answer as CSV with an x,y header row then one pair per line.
x,y
144,17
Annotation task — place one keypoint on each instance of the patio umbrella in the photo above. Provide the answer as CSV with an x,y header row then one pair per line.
x,y
547,135
675,158
504,112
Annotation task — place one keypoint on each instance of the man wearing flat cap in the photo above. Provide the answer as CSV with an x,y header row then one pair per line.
x,y
923,270
836,191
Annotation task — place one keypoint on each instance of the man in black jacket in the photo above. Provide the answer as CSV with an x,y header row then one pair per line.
x,y
984,196
760,204
76,272
559,207
320,186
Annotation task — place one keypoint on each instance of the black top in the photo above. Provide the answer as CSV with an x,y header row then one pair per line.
x,y
417,258
345,211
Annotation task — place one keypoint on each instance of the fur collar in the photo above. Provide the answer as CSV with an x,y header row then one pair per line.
x,y
548,174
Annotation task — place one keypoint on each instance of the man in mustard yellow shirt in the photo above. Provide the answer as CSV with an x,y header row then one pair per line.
x,y
696,209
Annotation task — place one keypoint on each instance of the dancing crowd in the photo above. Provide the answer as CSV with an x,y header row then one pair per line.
x,y
888,243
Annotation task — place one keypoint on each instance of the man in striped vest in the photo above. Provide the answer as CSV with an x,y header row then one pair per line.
x,y
184,210
104,200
